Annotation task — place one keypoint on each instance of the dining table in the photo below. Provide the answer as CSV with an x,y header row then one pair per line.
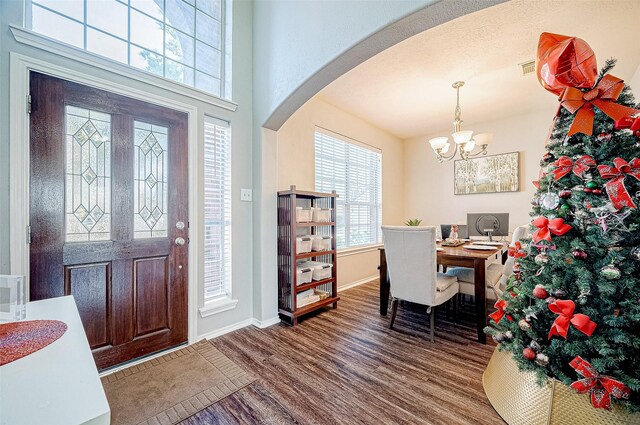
x,y
457,256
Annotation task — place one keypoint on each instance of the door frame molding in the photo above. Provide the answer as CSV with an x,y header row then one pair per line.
x,y
19,169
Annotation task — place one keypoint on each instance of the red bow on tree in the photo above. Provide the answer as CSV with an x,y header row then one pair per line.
x,y
536,183
615,187
603,96
600,387
565,309
631,123
516,251
546,227
565,165
500,313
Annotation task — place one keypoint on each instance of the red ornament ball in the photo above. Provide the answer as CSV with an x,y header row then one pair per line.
x,y
565,194
540,293
597,191
529,354
579,254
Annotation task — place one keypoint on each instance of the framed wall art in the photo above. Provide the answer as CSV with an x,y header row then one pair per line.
x,y
487,174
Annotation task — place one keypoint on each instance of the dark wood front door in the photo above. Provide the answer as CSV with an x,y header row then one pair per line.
x,y
108,215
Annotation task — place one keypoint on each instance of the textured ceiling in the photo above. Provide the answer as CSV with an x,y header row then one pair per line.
x,y
406,90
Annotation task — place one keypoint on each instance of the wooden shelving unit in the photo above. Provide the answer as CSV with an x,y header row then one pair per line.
x,y
288,230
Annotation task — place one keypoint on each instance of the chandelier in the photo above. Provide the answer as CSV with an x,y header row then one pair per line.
x,y
465,142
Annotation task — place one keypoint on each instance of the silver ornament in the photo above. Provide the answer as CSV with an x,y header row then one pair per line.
x,y
610,272
541,259
542,359
635,253
535,346
550,200
524,325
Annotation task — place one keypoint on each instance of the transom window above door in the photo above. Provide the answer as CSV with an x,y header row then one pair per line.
x,y
181,40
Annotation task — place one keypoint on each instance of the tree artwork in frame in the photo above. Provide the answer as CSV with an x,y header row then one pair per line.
x,y
487,174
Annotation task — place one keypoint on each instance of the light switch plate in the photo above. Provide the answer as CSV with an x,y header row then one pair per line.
x,y
246,195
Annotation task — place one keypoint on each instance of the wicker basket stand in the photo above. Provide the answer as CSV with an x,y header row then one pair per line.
x,y
519,400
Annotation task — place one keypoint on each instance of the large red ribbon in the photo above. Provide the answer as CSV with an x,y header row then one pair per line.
x,y
615,187
500,313
603,96
565,165
560,326
546,227
600,387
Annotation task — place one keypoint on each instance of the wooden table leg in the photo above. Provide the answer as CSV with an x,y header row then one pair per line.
x,y
480,298
384,284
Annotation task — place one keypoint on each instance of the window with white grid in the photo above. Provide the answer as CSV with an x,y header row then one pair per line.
x,y
182,40
354,171
217,209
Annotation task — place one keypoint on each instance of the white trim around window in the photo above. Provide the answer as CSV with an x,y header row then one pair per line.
x,y
33,39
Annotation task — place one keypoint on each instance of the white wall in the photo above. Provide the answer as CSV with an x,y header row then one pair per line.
x,y
428,184
301,46
296,167
241,122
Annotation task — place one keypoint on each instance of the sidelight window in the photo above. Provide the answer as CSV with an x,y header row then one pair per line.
x,y
217,209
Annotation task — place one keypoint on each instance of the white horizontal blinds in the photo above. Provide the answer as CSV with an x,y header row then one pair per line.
x,y
217,209
355,173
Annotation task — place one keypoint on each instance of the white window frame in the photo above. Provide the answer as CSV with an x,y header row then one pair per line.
x,y
222,301
28,36
343,199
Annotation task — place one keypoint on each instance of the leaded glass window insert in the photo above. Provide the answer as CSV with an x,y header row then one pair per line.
x,y
150,188
88,175
187,41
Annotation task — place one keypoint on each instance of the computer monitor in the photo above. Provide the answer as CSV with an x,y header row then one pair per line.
x,y
463,232
488,224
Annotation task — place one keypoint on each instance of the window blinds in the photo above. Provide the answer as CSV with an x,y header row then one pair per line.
x,y
355,173
217,209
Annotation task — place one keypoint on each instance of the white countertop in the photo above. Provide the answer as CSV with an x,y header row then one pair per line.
x,y
58,384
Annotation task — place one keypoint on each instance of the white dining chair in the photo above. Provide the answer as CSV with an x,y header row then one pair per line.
x,y
496,275
412,269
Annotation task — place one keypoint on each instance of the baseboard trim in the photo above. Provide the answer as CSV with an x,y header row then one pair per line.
x,y
225,330
357,283
266,323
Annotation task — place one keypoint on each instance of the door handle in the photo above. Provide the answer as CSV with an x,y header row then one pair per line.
x,y
180,241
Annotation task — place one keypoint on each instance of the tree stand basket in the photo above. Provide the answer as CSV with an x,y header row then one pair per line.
x,y
520,401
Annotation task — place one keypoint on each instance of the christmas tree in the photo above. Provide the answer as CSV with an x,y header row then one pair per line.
x,y
571,310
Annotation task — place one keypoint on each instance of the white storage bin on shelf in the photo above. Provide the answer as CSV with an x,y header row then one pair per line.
x,y
304,275
321,215
303,215
303,244
321,243
322,270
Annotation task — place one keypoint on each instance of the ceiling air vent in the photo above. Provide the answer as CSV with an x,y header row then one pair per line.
x,y
528,67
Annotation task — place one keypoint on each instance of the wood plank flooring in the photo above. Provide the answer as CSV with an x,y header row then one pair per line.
x,y
345,366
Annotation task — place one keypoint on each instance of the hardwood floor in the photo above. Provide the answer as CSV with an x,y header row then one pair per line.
x,y
345,366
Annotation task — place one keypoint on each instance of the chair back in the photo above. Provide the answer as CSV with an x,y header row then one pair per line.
x,y
411,262
519,233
